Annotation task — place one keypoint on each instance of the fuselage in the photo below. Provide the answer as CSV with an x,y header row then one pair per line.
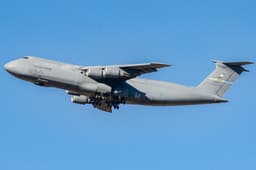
x,y
135,91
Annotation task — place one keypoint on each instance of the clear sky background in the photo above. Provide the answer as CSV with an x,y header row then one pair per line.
x,y
41,129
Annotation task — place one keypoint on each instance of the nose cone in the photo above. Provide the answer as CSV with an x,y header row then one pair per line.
x,y
13,67
9,67
5,67
17,68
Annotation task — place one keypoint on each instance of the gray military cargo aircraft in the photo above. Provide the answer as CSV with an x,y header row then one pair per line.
x,y
106,87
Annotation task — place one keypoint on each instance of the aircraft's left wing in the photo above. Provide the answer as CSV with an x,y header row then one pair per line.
x,y
138,69
122,71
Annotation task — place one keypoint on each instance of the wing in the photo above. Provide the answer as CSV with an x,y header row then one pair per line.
x,y
122,71
138,69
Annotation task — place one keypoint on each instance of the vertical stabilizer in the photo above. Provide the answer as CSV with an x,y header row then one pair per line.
x,y
222,78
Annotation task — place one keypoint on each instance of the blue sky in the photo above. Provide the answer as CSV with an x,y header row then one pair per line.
x,y
41,129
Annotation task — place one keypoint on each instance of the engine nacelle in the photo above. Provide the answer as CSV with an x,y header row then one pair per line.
x,y
114,72
95,72
107,72
80,99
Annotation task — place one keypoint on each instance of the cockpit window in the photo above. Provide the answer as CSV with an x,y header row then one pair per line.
x,y
25,57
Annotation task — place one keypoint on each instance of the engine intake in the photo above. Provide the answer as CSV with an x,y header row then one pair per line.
x,y
80,99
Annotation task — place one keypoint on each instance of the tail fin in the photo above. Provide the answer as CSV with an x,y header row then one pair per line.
x,y
221,79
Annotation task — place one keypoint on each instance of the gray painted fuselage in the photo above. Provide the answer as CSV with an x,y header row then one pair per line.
x,y
135,91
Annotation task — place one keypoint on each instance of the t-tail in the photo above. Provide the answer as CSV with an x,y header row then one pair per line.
x,y
222,78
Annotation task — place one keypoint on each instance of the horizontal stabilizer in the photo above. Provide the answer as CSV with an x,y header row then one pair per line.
x,y
235,65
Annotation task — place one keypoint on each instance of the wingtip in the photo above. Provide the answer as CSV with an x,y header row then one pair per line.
x,y
167,65
161,64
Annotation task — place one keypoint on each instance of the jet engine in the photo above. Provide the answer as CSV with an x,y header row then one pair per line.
x,y
114,72
80,99
107,72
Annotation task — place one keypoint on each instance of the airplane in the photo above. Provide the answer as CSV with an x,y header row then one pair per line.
x,y
106,87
